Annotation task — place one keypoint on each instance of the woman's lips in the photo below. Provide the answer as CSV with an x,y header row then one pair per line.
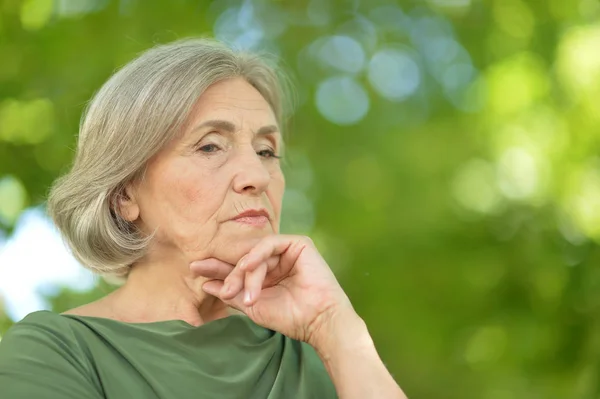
x,y
253,217
258,221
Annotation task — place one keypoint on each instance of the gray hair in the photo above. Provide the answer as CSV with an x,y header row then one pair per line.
x,y
130,119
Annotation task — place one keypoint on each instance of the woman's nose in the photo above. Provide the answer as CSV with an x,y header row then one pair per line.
x,y
251,174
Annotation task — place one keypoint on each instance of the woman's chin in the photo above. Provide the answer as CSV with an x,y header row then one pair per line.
x,y
232,243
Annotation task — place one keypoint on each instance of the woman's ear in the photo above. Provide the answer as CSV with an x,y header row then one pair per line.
x,y
129,209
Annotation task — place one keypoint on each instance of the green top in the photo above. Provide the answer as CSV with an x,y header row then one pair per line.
x,y
52,356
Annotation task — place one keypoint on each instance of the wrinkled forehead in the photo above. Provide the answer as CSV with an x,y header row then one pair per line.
x,y
236,104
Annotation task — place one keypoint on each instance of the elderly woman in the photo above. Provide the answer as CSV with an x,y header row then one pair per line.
x,y
177,188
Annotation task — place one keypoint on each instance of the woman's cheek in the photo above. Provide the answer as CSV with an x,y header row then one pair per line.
x,y
193,188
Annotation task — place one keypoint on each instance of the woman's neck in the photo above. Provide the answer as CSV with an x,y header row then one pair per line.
x,y
158,291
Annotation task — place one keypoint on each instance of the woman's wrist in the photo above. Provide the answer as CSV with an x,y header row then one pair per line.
x,y
351,359
341,331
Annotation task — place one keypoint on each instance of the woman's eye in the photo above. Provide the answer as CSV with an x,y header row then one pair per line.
x,y
209,148
268,153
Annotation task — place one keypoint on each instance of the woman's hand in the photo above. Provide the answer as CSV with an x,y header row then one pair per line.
x,y
285,285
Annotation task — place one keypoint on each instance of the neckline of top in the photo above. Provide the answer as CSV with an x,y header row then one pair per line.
x,y
167,323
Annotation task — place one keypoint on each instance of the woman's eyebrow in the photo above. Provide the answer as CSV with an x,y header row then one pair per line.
x,y
267,130
217,124
229,127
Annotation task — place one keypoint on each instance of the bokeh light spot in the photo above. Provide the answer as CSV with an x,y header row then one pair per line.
x,y
342,53
394,74
239,27
13,199
474,187
578,61
486,345
342,100
518,175
583,198
441,50
516,83
35,14
70,8
26,122
514,18
450,3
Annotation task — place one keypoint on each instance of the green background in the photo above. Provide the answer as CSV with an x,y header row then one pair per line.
x,y
461,215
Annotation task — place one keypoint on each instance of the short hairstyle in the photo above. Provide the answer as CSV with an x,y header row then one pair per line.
x,y
131,118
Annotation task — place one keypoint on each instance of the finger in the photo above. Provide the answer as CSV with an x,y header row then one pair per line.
x,y
272,278
271,261
276,245
233,284
211,268
214,287
253,284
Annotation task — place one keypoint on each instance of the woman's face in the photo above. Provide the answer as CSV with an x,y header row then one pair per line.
x,y
223,164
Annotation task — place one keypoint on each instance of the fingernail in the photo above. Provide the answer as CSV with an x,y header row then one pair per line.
x,y
248,298
243,262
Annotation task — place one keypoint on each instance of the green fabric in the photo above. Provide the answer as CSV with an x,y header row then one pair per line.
x,y
47,355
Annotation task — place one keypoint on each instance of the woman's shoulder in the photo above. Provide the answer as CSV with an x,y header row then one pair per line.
x,y
47,335
40,321
40,327
52,335
41,316
41,356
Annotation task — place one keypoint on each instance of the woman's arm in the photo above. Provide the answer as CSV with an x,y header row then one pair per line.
x,y
350,357
285,285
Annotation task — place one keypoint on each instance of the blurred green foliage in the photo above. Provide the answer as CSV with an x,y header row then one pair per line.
x,y
443,157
